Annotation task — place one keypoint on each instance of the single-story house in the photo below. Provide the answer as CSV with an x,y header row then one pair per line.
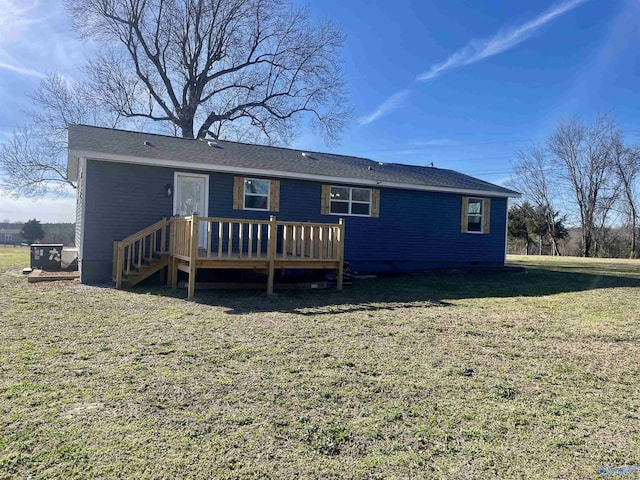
x,y
11,236
396,217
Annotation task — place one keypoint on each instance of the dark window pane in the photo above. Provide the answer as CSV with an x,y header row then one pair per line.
x,y
256,186
339,193
360,209
475,223
255,202
361,195
339,207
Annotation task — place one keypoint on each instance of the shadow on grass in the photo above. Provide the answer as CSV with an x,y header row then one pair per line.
x,y
425,290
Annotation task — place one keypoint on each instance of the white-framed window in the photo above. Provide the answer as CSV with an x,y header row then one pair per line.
x,y
350,201
256,194
475,215
8,236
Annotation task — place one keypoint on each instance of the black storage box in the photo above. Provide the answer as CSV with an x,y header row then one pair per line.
x,y
46,256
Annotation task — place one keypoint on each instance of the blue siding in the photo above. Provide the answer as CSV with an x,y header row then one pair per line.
x,y
415,230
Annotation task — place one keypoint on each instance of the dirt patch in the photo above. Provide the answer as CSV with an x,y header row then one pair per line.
x,y
84,409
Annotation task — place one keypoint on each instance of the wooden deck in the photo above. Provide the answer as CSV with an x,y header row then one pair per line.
x,y
190,243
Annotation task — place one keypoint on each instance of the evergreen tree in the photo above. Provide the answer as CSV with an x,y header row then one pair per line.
x,y
32,231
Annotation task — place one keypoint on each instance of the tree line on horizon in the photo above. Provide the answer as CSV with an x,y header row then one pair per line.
x,y
33,230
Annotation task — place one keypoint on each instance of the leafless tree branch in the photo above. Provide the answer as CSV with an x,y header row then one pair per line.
x,y
204,65
584,156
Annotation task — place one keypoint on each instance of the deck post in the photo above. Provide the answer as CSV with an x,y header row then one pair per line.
x,y
272,246
119,263
173,267
193,256
163,236
173,262
340,254
114,262
170,251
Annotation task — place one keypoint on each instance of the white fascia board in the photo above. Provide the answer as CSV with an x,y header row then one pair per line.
x,y
82,163
72,167
90,155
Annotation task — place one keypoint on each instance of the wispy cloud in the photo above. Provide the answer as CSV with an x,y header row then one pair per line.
x,y
389,104
434,142
22,70
477,50
16,17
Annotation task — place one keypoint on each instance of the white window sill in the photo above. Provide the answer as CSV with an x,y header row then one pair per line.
x,y
348,215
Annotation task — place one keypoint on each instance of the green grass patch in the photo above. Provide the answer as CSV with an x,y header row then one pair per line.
x,y
532,374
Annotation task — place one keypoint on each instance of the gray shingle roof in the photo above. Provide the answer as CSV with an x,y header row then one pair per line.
x,y
84,138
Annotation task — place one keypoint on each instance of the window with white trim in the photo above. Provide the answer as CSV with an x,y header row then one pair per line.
x,y
475,215
8,236
351,201
256,194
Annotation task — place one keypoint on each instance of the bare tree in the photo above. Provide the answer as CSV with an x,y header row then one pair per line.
x,y
626,163
216,67
247,70
533,176
30,165
584,157
33,159
59,101
606,208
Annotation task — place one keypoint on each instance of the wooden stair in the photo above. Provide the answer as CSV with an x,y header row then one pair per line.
x,y
147,268
141,255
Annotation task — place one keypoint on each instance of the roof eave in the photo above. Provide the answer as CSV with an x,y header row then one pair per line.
x,y
94,155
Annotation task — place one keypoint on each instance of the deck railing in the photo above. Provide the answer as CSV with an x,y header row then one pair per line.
x,y
180,245
138,249
309,240
234,238
196,240
250,239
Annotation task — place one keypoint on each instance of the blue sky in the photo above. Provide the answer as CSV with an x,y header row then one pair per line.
x,y
461,84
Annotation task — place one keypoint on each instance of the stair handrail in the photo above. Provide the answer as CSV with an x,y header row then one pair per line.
x,y
126,244
145,231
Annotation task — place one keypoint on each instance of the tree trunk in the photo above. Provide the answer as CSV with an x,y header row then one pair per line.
x,y
540,245
634,234
186,127
586,244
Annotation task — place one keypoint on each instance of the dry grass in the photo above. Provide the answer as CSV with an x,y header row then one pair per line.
x,y
519,375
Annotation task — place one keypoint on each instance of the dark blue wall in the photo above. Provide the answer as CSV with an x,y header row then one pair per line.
x,y
415,230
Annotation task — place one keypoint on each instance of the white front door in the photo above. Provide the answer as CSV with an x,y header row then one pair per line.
x,y
190,196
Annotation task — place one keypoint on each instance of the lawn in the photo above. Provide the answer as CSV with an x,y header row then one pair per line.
x,y
530,374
